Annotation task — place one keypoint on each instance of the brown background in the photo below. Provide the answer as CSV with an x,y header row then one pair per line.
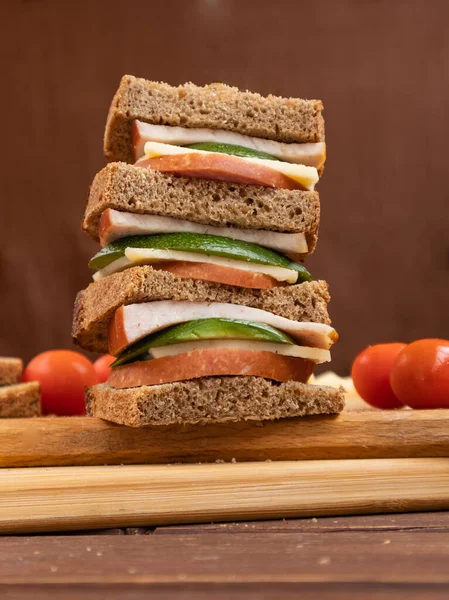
x,y
382,69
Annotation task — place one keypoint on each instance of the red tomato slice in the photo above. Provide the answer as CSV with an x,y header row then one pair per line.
x,y
212,362
219,274
420,374
221,167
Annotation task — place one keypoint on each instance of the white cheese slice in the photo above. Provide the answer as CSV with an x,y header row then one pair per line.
x,y
139,320
312,155
114,267
148,256
306,176
124,224
316,355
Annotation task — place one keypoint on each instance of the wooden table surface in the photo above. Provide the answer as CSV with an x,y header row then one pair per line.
x,y
376,557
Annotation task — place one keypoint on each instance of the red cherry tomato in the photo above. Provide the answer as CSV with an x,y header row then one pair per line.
x,y
62,375
420,374
371,375
101,366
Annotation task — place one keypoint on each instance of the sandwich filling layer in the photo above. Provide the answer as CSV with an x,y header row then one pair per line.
x,y
231,257
212,362
310,154
218,332
136,321
316,355
148,256
227,165
115,224
209,347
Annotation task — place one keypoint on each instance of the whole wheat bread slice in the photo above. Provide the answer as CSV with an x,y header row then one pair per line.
x,y
133,189
214,106
95,306
20,400
10,370
212,399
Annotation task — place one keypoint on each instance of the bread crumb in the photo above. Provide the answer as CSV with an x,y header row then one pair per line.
x,y
53,568
386,542
324,560
233,460
314,520
99,553
132,570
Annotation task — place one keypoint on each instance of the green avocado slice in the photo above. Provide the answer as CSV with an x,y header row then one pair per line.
x,y
204,329
231,149
204,244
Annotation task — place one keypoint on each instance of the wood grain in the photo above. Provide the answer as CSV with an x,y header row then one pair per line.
x,y
419,522
48,499
341,558
417,555
228,591
437,521
416,521
88,441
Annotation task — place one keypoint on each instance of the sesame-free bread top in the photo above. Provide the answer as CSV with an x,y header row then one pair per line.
x,y
20,400
10,370
137,190
214,106
95,306
211,399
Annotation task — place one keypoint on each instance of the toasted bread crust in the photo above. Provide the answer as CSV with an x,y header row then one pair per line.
x,y
20,400
132,189
214,106
96,305
211,399
10,370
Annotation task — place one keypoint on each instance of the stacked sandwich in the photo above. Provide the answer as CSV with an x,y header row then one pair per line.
x,y
17,399
199,289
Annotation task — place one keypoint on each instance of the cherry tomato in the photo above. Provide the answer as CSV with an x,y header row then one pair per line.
x,y
371,375
420,374
101,366
62,375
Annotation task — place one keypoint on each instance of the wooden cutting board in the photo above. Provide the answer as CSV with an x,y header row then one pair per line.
x,y
387,462
62,498
73,441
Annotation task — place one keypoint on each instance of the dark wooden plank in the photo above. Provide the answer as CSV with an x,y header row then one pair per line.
x,y
249,591
87,441
433,521
109,531
382,557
